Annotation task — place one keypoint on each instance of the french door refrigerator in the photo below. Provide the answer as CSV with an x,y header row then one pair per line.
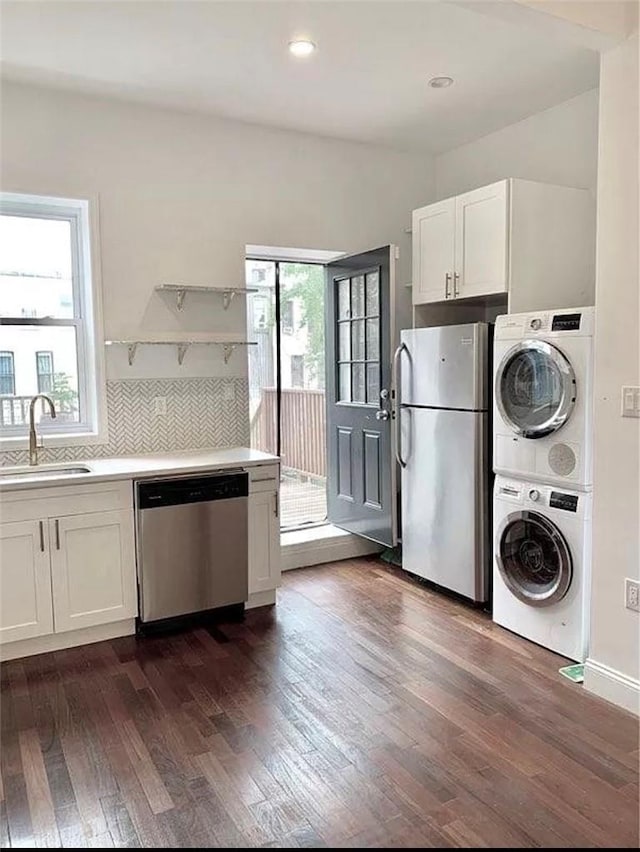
x,y
442,445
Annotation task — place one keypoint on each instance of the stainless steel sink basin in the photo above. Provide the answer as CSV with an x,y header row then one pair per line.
x,y
43,471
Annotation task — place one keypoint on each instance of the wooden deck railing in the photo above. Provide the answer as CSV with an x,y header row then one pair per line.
x,y
303,429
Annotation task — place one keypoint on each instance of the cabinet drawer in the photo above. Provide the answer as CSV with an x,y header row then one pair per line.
x,y
264,478
59,501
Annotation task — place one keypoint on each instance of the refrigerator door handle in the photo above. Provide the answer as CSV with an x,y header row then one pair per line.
x,y
398,411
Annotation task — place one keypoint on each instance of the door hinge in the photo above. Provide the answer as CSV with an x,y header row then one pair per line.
x,y
276,504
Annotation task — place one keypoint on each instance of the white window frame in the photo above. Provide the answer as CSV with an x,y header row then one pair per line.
x,y
82,214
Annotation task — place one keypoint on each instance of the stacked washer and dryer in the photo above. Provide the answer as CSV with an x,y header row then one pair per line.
x,y
542,437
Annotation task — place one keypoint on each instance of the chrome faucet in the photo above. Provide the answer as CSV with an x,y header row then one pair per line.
x,y
33,438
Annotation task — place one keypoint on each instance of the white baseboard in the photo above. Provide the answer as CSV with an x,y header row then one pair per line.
x,y
612,685
256,599
71,639
302,548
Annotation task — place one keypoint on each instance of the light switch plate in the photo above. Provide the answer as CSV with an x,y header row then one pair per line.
x,y
630,401
229,393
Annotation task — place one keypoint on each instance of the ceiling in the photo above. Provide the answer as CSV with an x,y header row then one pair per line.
x,y
366,82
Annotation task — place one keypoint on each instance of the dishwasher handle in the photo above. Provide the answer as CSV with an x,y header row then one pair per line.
x,y
198,489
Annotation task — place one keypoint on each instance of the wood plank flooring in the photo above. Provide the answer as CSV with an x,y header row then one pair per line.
x,y
366,710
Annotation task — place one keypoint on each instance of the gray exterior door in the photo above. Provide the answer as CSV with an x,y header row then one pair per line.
x,y
361,470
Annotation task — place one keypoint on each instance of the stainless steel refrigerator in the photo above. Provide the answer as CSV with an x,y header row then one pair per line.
x,y
443,441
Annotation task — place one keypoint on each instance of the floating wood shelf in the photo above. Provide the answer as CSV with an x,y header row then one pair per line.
x,y
182,344
228,293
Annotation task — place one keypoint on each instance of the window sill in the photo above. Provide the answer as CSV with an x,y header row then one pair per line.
x,y
71,439
301,548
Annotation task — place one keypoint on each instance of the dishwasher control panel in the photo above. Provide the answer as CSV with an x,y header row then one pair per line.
x,y
194,489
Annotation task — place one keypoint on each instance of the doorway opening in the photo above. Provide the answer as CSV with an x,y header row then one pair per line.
x,y
286,319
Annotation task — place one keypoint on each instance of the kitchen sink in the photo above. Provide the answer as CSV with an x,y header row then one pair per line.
x,y
42,471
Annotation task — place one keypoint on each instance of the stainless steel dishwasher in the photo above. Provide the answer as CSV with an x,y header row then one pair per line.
x,y
192,541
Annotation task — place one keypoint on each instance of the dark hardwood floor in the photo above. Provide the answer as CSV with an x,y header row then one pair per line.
x,y
365,710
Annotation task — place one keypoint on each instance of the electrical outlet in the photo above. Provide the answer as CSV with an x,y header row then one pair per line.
x,y
229,393
632,594
159,406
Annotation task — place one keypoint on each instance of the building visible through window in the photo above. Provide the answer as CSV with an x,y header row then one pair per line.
x,y
7,374
297,371
44,369
287,316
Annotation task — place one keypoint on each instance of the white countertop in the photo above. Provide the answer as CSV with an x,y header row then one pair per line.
x,y
129,467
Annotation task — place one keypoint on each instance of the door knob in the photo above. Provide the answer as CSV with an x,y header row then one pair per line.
x,y
382,415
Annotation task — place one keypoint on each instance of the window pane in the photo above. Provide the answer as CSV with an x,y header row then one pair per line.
x,y
60,343
373,383
357,340
35,267
344,341
357,296
372,339
345,383
358,389
7,374
344,299
261,312
373,298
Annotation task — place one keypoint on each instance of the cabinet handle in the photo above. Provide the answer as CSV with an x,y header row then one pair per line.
x,y
276,505
41,525
447,282
265,479
456,289
57,534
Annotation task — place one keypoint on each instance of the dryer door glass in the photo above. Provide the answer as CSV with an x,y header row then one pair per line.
x,y
534,559
535,389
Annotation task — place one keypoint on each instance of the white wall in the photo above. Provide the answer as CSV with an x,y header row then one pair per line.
x,y
613,669
559,145
181,194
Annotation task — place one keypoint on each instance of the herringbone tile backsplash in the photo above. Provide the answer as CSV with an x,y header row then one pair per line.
x,y
200,413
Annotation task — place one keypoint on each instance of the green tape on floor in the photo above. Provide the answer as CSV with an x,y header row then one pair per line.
x,y
574,673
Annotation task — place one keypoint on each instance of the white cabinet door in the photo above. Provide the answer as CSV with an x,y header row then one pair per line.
x,y
264,542
482,241
433,230
93,569
25,581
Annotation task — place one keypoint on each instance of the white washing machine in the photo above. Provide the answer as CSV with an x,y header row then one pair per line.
x,y
542,564
543,388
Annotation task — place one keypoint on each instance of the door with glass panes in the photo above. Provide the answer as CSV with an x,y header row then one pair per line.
x,y
361,472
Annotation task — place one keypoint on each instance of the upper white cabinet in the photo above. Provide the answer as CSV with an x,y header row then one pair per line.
x,y
433,251
481,241
531,240
25,583
92,557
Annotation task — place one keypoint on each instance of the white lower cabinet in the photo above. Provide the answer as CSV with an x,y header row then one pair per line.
x,y
67,562
26,608
264,542
91,560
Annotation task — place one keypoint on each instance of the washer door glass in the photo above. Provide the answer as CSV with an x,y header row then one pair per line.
x,y
534,559
535,389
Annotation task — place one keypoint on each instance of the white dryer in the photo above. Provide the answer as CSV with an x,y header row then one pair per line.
x,y
543,387
542,564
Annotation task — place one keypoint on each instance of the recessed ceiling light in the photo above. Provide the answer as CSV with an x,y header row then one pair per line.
x,y
301,47
441,82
